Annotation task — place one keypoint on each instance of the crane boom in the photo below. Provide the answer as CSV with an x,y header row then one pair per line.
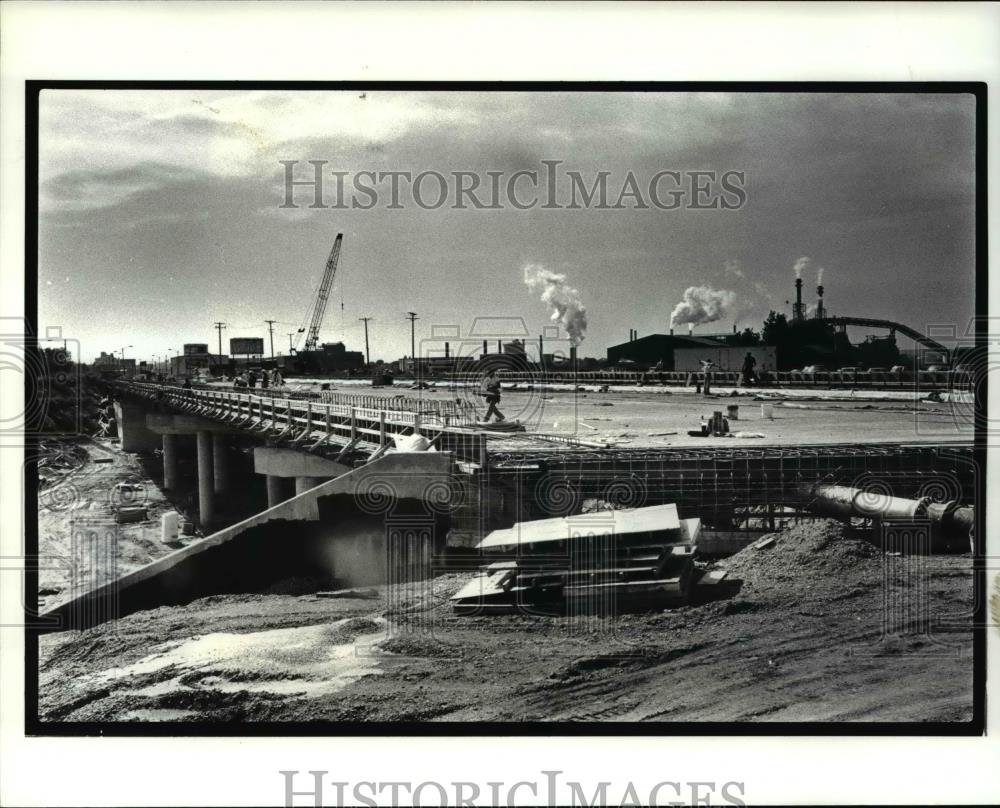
x,y
323,295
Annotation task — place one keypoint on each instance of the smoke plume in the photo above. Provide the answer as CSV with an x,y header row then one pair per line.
x,y
819,276
561,298
801,265
702,304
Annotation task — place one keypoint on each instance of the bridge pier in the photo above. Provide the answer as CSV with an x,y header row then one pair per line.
x,y
308,470
132,431
213,467
206,479
275,490
303,484
220,459
170,462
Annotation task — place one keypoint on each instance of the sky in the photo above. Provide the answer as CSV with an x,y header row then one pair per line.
x,y
160,213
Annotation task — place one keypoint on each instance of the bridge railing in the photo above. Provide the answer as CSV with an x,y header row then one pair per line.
x,y
311,423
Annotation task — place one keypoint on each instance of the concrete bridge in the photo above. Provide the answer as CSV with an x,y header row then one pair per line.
x,y
303,442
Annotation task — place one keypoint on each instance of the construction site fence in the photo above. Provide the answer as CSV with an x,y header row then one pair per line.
x,y
924,380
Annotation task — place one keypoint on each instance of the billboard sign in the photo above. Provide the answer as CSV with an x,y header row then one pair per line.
x,y
246,346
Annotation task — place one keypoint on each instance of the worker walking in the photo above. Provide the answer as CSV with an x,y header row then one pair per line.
x,y
490,390
749,369
706,369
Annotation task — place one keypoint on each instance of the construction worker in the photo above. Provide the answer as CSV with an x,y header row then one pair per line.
x,y
490,390
749,369
706,367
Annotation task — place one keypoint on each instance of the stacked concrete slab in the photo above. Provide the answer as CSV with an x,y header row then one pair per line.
x,y
603,562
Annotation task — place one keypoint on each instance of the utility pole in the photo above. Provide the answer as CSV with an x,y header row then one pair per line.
x,y
368,359
412,316
218,327
270,328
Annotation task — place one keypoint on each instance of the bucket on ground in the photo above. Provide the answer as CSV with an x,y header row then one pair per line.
x,y
733,411
169,526
767,411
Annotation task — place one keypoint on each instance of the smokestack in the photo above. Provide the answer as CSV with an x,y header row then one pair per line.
x,y
820,311
671,332
447,350
541,348
734,326
690,329
572,357
797,309
635,334
486,349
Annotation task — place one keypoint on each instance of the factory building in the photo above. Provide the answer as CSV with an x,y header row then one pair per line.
x,y
330,358
685,352
109,366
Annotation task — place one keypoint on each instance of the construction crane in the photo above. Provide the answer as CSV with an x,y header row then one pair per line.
x,y
323,295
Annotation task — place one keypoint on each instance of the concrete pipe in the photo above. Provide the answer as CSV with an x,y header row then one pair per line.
x,y
947,519
843,502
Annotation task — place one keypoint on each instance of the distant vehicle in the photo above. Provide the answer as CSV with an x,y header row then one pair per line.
x,y
936,368
851,370
897,369
814,369
877,370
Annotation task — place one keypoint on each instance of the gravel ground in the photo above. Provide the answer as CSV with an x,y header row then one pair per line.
x,y
821,628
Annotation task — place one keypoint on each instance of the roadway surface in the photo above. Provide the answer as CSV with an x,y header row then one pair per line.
x,y
635,417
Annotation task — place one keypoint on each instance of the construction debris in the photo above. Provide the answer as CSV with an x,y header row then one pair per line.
x,y
604,561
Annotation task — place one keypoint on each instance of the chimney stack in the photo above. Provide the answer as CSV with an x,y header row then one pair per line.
x,y
447,351
541,349
486,349
690,329
572,357
798,311
820,311
671,332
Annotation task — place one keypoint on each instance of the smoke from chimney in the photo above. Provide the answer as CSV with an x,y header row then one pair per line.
x,y
702,304
801,265
561,298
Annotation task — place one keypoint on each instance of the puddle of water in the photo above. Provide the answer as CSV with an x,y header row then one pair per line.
x,y
307,659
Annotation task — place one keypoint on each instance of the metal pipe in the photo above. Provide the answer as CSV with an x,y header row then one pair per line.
x,y
842,502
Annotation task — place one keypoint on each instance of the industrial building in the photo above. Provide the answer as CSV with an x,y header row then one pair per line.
x,y
107,364
685,352
195,357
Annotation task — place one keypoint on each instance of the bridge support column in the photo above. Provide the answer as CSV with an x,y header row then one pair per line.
x,y
170,462
206,480
275,490
303,484
220,459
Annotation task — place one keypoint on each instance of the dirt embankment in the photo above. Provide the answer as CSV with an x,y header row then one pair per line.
x,y
823,627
